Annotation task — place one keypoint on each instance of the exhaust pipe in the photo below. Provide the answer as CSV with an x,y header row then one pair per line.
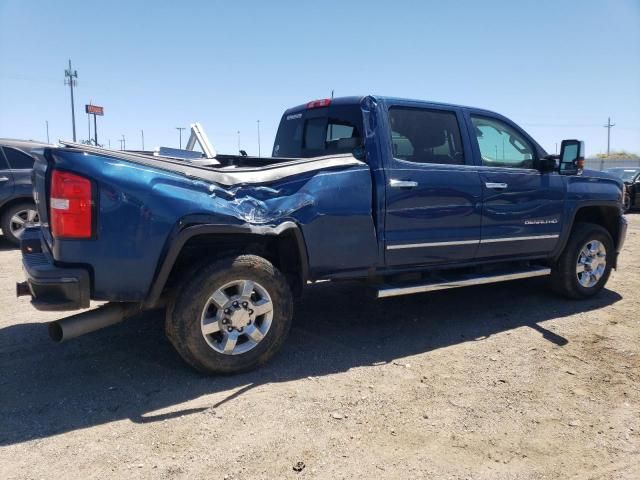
x,y
90,321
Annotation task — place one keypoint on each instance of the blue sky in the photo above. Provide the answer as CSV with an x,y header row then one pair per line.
x,y
558,68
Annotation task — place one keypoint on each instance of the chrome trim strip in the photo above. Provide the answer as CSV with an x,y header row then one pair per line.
x,y
471,242
392,292
432,244
515,239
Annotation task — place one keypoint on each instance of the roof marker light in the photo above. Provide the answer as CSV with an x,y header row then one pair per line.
x,y
325,102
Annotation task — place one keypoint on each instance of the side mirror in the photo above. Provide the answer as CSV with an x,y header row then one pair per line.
x,y
571,157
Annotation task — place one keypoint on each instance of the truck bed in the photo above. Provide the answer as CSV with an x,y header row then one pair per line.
x,y
232,170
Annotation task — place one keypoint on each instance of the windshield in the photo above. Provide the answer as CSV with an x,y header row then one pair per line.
x,y
624,174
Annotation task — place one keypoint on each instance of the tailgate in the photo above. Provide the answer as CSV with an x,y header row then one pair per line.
x,y
40,191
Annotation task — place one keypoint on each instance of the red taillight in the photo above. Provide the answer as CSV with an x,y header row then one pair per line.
x,y
325,102
70,214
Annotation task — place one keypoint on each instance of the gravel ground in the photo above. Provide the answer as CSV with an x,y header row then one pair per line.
x,y
489,382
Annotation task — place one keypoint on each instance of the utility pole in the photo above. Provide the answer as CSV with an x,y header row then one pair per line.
x,y
89,126
109,143
180,130
95,129
70,79
123,143
259,139
142,134
238,141
47,123
609,126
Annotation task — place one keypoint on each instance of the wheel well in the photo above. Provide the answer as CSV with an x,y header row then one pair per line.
x,y
606,217
13,202
283,251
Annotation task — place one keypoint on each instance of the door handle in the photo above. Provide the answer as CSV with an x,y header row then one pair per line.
x,y
498,186
394,183
4,179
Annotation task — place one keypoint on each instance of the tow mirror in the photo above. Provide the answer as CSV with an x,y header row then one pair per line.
x,y
571,157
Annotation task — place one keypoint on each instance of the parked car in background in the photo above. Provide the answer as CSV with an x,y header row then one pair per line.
x,y
631,178
17,209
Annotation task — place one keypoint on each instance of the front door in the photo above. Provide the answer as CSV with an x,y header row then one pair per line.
x,y
433,191
521,207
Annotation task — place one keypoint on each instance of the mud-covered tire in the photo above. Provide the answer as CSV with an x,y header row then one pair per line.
x,y
564,275
186,310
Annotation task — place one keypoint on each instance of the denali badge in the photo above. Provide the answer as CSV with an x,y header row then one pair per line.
x,y
540,222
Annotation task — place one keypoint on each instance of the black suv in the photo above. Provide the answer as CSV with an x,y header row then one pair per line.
x,y
17,209
631,178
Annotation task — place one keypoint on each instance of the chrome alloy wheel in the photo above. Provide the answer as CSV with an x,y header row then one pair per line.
x,y
592,263
23,219
237,317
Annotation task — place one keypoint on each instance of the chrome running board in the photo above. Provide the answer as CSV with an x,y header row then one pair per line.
x,y
461,281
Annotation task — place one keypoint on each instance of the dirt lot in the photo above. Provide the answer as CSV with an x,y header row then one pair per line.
x,y
497,381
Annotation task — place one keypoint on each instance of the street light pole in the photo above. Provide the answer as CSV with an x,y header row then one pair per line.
x,y
180,130
259,139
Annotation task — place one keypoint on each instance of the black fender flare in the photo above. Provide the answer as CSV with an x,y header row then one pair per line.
x,y
564,238
180,237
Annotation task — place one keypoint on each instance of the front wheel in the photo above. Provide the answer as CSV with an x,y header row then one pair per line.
x,y
232,316
585,264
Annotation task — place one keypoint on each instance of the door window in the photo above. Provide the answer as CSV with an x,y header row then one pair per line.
x,y
501,145
17,159
425,136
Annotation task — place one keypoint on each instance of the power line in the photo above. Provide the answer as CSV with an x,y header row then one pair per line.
x,y
609,126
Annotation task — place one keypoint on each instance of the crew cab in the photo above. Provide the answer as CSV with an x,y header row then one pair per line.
x,y
407,196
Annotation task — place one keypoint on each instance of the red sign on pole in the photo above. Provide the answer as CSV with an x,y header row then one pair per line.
x,y
94,109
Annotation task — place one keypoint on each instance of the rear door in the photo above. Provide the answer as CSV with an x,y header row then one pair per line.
x,y
6,180
433,192
21,165
522,207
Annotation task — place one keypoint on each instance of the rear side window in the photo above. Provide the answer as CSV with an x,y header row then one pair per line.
x,y
319,131
426,136
17,159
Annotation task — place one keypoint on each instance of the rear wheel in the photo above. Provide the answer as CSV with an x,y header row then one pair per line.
x,y
585,265
232,316
18,217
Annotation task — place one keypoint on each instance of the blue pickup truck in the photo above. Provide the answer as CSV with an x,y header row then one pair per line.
x,y
408,196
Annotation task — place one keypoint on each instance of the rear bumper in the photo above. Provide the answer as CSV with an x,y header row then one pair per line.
x,y
51,287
